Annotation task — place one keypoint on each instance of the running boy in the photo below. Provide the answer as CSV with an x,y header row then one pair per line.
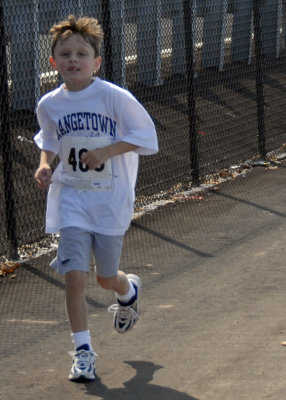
x,y
98,130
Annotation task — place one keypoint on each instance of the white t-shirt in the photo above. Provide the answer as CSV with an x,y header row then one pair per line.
x,y
102,200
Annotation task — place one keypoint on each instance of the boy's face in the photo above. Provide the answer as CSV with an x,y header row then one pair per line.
x,y
74,60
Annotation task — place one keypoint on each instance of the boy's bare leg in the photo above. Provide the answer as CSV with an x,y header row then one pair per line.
x,y
75,300
83,365
118,283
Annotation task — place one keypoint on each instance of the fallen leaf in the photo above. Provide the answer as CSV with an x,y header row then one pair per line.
x,y
8,268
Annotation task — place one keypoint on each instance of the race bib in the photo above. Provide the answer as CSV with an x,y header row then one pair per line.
x,y
78,174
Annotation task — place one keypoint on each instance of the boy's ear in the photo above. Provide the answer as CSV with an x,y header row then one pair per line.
x,y
97,63
53,62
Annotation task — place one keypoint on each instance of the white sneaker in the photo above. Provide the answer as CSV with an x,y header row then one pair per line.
x,y
126,315
83,367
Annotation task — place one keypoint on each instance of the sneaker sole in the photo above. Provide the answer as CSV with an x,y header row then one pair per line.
x,y
82,378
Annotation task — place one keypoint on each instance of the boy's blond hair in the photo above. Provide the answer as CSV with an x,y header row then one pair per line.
x,y
88,28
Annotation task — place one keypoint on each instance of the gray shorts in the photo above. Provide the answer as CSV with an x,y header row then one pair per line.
x,y
76,247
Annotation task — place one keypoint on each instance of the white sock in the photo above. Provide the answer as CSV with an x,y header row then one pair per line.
x,y
81,338
125,298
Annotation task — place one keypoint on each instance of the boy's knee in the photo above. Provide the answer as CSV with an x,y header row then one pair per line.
x,y
76,280
106,283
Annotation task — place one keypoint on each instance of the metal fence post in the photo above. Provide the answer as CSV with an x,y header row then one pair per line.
x,y
6,145
178,40
259,78
191,88
106,25
117,10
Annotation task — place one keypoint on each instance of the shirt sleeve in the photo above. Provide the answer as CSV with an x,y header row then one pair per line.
x,y
46,138
137,127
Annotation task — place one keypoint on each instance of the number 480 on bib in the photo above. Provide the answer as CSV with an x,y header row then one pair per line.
x,y
74,161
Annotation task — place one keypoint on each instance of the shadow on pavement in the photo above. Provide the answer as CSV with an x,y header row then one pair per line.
x,y
170,240
138,387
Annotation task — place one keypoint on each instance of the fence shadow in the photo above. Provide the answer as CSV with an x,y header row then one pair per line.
x,y
168,239
138,387
252,204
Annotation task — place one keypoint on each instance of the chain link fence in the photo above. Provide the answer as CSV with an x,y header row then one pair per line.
x,y
211,73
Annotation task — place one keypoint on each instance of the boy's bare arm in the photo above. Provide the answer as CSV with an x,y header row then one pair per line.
x,y
95,158
44,172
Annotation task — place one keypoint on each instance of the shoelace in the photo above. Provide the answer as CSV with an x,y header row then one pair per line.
x,y
124,313
81,358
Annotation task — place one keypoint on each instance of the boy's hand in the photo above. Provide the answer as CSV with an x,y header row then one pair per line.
x,y
95,158
43,176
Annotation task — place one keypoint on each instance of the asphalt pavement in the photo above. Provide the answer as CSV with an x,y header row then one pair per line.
x,y
213,316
